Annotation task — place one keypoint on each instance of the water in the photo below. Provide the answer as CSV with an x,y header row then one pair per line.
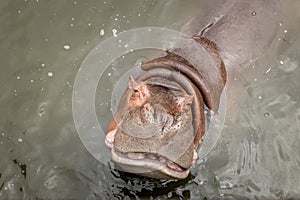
x,y
42,46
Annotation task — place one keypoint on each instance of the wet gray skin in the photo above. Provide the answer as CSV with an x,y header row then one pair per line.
x,y
160,120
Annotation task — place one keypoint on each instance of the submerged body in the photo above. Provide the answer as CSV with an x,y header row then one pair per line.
x,y
160,120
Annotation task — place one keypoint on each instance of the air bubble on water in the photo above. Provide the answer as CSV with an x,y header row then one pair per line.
x,y
2,133
89,24
267,115
255,79
281,62
19,11
259,97
280,24
75,2
50,74
31,81
18,77
43,65
102,32
20,140
109,74
285,31
107,89
72,25
11,185
114,32
72,18
253,13
139,14
67,47
126,45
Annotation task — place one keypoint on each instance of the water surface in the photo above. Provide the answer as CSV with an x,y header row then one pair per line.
x,y
42,45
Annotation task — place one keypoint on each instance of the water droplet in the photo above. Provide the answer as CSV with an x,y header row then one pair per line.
x,y
102,32
114,32
268,70
50,74
42,109
67,47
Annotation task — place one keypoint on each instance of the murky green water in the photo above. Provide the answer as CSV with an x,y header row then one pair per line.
x,y
42,45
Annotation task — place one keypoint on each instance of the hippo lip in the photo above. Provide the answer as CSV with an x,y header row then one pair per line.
x,y
145,162
148,164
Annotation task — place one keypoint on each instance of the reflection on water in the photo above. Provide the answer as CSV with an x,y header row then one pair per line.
x,y
42,46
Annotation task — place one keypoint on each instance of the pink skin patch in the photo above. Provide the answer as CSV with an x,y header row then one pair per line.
x,y
140,95
110,138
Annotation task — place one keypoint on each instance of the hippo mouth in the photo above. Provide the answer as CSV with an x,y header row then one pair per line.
x,y
146,164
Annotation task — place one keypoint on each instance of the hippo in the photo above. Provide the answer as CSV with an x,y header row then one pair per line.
x,y
161,117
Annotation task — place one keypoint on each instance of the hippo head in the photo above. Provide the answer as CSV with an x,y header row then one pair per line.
x,y
152,133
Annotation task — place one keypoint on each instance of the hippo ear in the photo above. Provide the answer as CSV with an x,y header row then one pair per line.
x,y
183,101
140,93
